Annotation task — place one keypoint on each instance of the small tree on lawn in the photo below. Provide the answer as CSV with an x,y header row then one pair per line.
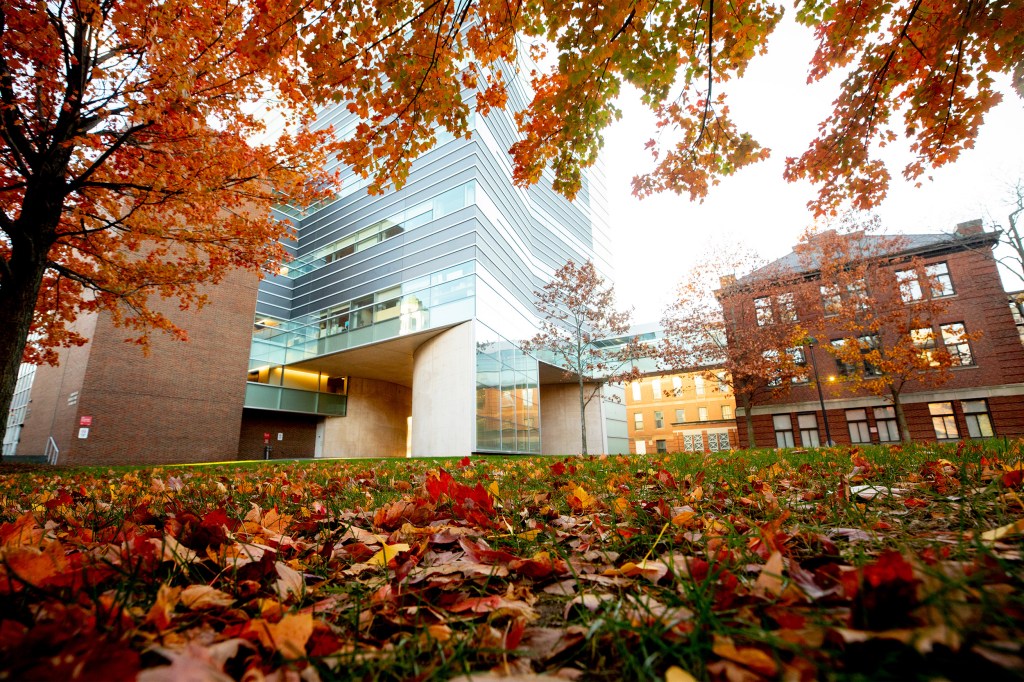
x,y
579,322
743,335
880,308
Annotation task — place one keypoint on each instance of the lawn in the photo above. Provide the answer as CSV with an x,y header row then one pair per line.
x,y
867,563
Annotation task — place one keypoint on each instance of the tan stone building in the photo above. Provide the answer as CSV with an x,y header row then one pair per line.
x,y
680,412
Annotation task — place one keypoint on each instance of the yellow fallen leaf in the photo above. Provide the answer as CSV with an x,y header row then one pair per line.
x,y
677,674
387,553
289,636
585,499
682,518
621,505
529,534
748,656
493,489
1001,532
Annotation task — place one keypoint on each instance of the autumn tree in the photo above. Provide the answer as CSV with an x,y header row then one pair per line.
x,y
743,333
879,309
582,332
1010,237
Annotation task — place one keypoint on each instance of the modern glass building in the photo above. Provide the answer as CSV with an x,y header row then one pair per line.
x,y
397,327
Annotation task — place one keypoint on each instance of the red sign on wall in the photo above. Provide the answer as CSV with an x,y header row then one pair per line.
x,y
266,437
85,420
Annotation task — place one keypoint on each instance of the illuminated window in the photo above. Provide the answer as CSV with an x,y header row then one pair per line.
x,y
943,420
702,414
885,420
979,421
954,337
636,391
939,281
656,387
763,310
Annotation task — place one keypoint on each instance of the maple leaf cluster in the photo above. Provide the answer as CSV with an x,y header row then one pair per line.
x,y
791,565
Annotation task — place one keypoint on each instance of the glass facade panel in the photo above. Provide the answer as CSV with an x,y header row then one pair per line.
x,y
507,399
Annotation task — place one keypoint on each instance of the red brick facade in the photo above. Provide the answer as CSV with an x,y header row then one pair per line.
x,y
181,403
297,433
997,375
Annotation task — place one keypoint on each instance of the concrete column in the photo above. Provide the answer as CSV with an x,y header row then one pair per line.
x,y
560,421
443,389
376,421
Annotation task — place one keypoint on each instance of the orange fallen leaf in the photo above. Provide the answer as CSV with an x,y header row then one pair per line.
x,y
748,656
200,597
289,636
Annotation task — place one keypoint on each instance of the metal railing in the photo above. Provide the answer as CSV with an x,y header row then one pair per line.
x,y
52,451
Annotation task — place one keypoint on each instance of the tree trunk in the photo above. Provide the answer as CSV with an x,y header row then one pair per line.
x,y
901,419
18,296
583,417
751,441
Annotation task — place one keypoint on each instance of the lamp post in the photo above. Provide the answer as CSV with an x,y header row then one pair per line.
x,y
810,342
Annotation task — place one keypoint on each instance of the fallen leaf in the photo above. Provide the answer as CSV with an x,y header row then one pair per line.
x,y
677,674
200,597
387,553
289,636
769,582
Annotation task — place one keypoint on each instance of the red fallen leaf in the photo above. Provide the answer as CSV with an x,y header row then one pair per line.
x,y
558,469
881,525
887,595
1013,479
666,479
32,566
23,531
464,462
482,554
914,503
477,604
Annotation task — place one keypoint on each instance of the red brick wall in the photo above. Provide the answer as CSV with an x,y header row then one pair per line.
x,y
181,403
298,434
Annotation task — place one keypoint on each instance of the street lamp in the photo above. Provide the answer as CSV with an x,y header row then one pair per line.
x,y
810,342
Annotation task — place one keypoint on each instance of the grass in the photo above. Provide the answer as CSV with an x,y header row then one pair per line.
x,y
840,563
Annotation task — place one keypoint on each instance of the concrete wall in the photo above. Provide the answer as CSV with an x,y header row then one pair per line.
x,y
375,423
443,394
560,421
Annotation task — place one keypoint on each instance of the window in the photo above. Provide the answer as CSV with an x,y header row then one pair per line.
x,y
722,384
693,443
954,336
799,360
939,281
677,386
943,420
979,421
808,424
656,388
763,311
659,420
1017,310
718,441
638,421
885,420
857,421
787,307
641,447
924,340
698,385
702,414
910,285
772,359
680,416
843,368
726,411
831,299
783,424
661,446
868,344
636,391
857,292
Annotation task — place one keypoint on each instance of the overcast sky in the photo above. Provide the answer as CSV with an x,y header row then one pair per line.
x,y
657,238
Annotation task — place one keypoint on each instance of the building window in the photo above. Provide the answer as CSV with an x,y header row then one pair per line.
x,y
910,285
726,411
698,385
843,368
857,421
857,293
771,358
869,343
954,336
722,384
831,299
718,441
636,391
808,424
798,357
661,446
1017,310
659,420
677,386
763,310
979,421
702,414
693,442
939,281
656,388
680,416
641,447
924,340
638,421
943,420
787,307
885,420
783,430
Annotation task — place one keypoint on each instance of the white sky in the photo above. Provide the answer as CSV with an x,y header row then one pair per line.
x,y
656,239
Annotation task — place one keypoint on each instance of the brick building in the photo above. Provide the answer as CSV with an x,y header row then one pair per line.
x,y
680,412
983,394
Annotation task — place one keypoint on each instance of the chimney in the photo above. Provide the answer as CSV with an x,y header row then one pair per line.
x,y
970,227
726,280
